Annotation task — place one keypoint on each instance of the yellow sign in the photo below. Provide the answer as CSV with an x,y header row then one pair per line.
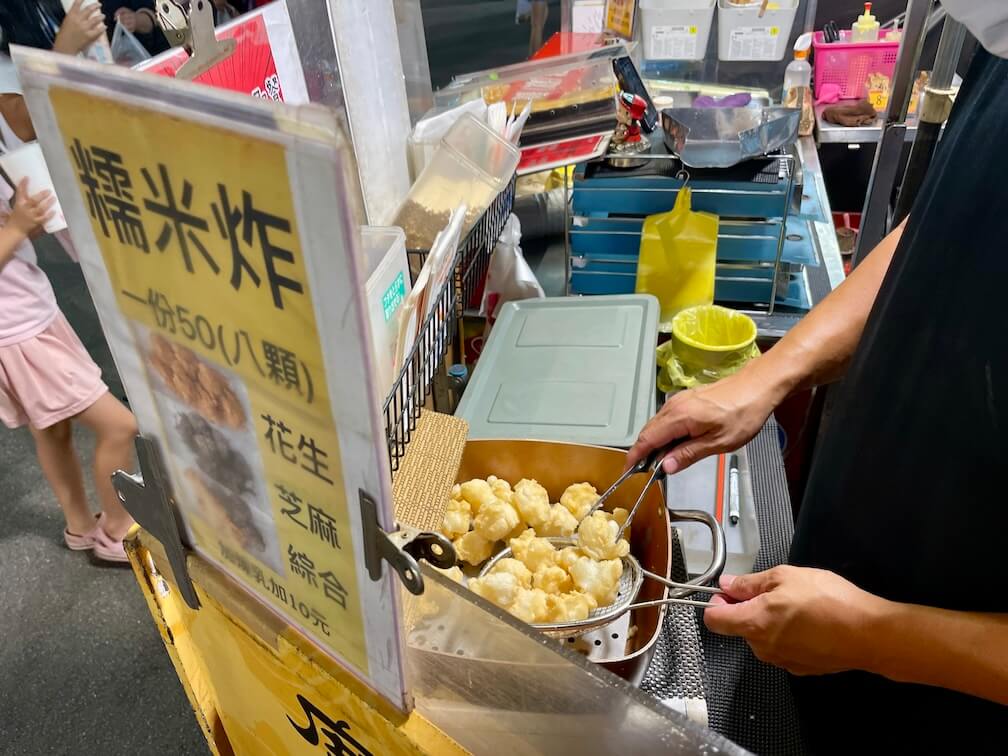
x,y
198,231
619,19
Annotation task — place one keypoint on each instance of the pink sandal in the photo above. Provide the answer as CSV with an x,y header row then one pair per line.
x,y
84,542
98,542
106,547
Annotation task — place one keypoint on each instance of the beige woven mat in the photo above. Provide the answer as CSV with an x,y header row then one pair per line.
x,y
422,485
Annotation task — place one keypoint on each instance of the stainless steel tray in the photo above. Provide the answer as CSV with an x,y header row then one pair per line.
x,y
723,137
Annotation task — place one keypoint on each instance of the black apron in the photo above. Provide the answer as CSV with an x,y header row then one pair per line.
x,y
907,493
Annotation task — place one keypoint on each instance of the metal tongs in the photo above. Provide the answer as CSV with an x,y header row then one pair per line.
x,y
653,466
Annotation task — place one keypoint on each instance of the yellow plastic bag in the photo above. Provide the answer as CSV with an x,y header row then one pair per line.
x,y
708,343
678,252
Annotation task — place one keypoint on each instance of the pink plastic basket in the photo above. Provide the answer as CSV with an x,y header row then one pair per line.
x,y
848,64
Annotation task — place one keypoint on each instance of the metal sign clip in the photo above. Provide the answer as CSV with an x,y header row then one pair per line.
x,y
148,498
401,548
194,29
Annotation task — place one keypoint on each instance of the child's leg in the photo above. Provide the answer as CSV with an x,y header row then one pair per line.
x,y
59,462
115,430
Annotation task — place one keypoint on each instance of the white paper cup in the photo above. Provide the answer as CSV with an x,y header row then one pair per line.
x,y
27,162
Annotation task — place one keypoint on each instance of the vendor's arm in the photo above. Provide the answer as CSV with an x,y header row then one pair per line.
x,y
30,212
725,415
815,622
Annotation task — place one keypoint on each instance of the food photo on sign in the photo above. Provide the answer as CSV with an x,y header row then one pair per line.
x,y
212,446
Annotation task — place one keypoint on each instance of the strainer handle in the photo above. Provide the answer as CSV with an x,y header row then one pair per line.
x,y
717,564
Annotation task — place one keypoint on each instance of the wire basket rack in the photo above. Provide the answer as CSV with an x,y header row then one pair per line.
x,y
439,330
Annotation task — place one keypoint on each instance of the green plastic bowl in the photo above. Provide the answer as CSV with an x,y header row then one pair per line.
x,y
708,336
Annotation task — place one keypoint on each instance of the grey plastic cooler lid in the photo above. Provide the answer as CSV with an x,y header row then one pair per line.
x,y
576,369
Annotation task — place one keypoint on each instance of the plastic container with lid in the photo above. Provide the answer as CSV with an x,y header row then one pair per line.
x,y
472,165
572,93
576,369
676,29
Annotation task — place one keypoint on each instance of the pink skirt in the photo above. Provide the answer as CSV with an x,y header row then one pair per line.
x,y
48,378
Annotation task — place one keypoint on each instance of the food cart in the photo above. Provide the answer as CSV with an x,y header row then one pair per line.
x,y
317,658
292,487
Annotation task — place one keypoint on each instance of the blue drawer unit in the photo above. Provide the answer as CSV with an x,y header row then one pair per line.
x,y
734,287
757,203
745,241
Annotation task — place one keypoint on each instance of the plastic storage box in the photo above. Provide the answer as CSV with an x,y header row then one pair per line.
x,y
572,94
472,165
676,29
848,64
743,35
577,369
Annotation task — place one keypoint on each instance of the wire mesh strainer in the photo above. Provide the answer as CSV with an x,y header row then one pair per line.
x,y
629,586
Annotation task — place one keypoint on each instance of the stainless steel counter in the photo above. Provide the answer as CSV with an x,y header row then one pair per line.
x,y
830,133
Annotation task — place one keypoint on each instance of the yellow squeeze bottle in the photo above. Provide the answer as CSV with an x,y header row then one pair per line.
x,y
866,28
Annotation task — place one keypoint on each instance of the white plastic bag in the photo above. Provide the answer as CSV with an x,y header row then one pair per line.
x,y
509,278
126,48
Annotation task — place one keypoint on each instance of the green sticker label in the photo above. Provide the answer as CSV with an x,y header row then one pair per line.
x,y
394,296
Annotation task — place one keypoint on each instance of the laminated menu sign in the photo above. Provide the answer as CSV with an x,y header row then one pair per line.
x,y
207,244
209,273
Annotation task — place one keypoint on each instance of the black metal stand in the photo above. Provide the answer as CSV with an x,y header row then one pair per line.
x,y
148,498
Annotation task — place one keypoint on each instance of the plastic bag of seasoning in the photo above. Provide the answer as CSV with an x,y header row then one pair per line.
x,y
678,252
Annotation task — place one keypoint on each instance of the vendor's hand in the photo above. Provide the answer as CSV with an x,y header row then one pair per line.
x,y
720,417
31,211
807,621
81,28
